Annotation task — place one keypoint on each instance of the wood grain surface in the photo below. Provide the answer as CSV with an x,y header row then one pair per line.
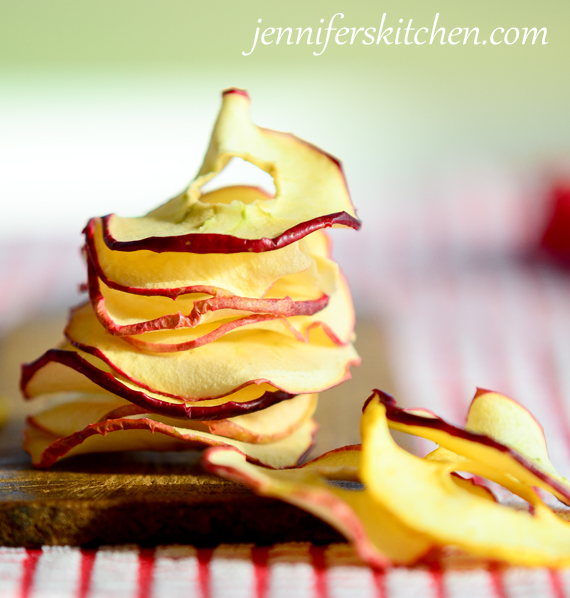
x,y
153,498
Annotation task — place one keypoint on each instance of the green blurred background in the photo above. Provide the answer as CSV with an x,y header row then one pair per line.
x,y
106,105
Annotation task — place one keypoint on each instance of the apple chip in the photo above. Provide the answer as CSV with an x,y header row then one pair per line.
x,y
311,194
65,414
420,494
481,454
509,423
270,424
144,272
147,434
69,369
221,367
335,321
129,314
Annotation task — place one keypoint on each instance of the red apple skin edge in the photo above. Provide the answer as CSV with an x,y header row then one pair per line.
x,y
225,329
221,243
108,382
266,308
404,417
91,255
277,308
100,355
61,446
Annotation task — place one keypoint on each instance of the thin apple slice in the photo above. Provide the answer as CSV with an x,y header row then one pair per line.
x,y
336,322
130,314
302,293
270,424
264,426
184,339
69,369
63,414
311,194
174,274
483,455
444,511
67,413
219,368
378,538
143,434
509,423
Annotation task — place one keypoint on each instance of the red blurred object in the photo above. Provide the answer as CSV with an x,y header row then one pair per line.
x,y
556,237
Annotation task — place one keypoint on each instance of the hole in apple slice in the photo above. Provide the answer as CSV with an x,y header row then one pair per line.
x,y
241,180
346,485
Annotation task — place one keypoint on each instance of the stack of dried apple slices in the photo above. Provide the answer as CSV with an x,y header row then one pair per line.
x,y
212,321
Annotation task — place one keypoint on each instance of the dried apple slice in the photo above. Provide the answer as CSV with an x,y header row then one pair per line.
x,y
270,424
311,194
302,293
129,314
220,367
68,369
174,274
142,434
509,423
445,512
336,321
65,414
379,538
483,455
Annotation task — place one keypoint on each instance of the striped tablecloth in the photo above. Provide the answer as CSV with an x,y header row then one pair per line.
x,y
281,571
465,303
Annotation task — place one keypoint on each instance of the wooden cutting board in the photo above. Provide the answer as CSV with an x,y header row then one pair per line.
x,y
152,498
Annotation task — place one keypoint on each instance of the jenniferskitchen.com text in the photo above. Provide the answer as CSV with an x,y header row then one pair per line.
x,y
392,33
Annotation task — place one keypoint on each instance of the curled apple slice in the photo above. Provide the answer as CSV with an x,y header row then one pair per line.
x,y
173,274
311,194
69,369
420,494
509,423
268,425
378,538
233,361
65,414
336,322
147,434
130,314
491,459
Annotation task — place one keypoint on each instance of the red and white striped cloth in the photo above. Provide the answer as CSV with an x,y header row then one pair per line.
x,y
465,304
240,571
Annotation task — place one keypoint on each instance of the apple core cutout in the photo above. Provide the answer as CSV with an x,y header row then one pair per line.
x,y
239,175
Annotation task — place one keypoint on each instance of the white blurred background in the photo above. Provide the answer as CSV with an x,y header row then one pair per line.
x,y
107,106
